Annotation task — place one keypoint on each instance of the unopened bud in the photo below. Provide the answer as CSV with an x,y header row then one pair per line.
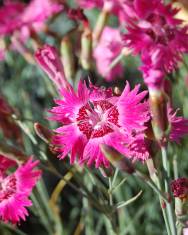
x,y
68,58
106,172
101,23
48,59
158,106
44,133
86,49
117,159
179,188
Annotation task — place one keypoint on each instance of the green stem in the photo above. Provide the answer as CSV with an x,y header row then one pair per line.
x,y
149,182
11,228
164,211
167,190
178,202
156,180
110,192
116,61
41,212
175,167
115,176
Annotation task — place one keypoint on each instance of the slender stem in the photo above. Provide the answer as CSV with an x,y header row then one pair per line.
x,y
156,180
11,228
119,185
100,24
110,191
167,190
175,167
149,182
41,212
109,226
178,202
115,176
164,211
116,61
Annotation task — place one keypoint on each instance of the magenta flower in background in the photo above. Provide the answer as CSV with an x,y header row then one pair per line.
x,y
157,36
108,48
10,17
121,8
48,59
36,12
92,117
15,15
90,4
21,20
15,190
179,126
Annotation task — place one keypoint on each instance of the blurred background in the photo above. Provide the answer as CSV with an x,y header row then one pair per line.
x,y
30,93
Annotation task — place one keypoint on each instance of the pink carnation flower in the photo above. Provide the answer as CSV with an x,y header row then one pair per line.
x,y
15,190
139,148
93,117
108,48
157,36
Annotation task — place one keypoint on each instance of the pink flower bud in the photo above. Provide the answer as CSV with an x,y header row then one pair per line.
x,y
48,59
180,188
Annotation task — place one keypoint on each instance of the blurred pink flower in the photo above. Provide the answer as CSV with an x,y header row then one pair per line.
x,y
90,4
19,20
157,36
36,12
185,231
121,8
97,118
48,59
14,15
15,190
10,14
108,48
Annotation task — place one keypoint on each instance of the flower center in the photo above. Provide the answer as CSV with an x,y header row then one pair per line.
x,y
97,118
7,187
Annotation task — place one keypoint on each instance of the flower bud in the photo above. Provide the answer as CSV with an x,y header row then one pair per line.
x,y
179,188
101,22
67,58
44,133
48,59
86,49
117,160
158,106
